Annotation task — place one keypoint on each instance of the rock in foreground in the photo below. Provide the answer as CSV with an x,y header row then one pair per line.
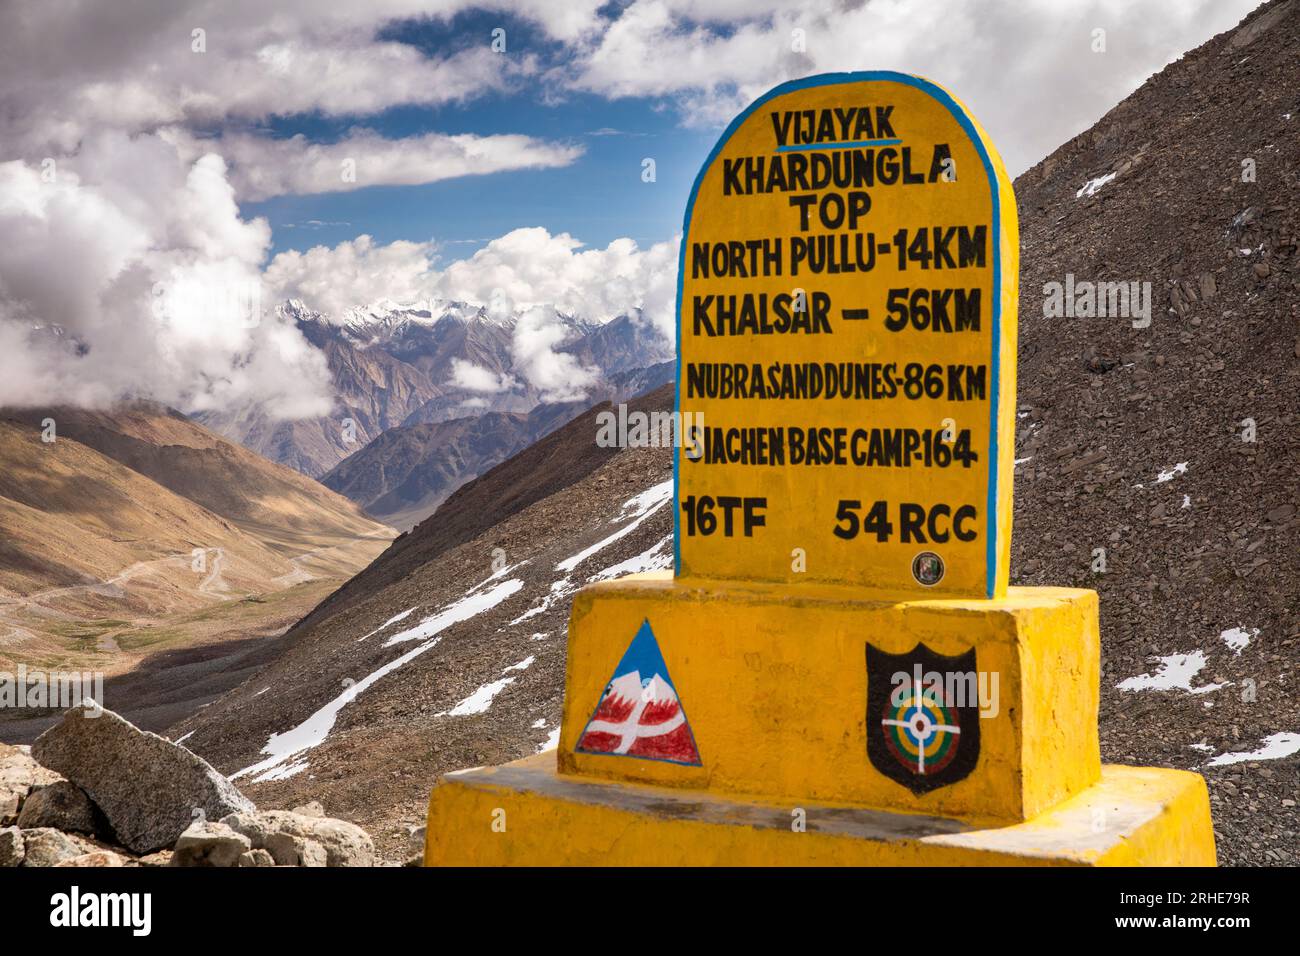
x,y
345,844
63,806
19,773
209,844
146,786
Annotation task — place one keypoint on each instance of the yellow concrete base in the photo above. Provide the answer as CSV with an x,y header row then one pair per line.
x,y
774,681
526,814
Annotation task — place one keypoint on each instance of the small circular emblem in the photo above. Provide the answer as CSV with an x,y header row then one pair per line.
x,y
927,568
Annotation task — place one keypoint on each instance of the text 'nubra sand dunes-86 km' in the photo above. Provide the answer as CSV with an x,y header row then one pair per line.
x,y
660,442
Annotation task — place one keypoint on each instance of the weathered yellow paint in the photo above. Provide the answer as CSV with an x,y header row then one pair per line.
x,y
527,814
801,500
774,683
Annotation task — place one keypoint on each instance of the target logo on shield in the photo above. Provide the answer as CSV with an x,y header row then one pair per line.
x,y
917,735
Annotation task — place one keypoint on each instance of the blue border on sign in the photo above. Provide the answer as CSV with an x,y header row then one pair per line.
x,y
942,97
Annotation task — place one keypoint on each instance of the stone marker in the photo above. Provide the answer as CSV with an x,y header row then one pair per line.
x,y
836,672
149,789
846,346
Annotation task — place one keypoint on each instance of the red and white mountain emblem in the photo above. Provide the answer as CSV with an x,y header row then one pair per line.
x,y
639,714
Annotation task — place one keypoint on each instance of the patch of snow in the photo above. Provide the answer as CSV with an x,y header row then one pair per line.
x,y
313,731
1021,461
1203,747
539,723
479,701
283,772
531,612
1178,469
392,620
1187,501
181,740
473,603
654,558
522,665
551,742
1175,673
1238,637
539,636
639,508
1275,747
261,692
1091,186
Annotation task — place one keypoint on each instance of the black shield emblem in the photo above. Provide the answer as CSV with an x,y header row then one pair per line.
x,y
923,721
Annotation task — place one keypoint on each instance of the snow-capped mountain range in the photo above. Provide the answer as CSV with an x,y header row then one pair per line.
x,y
436,361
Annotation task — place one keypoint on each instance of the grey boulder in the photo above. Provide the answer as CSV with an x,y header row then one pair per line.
x,y
256,858
289,850
149,789
19,773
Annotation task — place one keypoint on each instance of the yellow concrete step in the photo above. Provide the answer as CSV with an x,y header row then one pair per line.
x,y
527,814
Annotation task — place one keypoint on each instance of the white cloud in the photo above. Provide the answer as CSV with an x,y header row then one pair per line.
x,y
558,375
1026,70
356,272
127,272
262,167
530,266
66,68
476,378
525,268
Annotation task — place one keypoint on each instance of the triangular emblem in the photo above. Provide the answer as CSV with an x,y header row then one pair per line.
x,y
639,714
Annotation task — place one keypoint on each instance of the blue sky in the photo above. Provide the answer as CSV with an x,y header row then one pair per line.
x,y
600,197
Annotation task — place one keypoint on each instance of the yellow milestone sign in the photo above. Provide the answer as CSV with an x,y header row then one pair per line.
x,y
846,396
846,344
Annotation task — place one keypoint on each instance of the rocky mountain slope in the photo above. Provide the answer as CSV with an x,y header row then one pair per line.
x,y
405,473
1133,478
396,364
1171,446
449,650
